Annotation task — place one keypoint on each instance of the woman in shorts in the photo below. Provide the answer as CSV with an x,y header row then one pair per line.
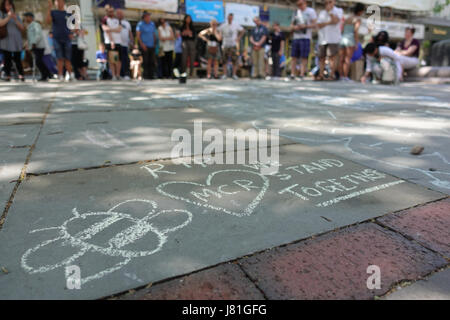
x,y
349,40
212,37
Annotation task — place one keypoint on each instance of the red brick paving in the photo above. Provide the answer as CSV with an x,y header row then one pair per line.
x,y
334,266
224,282
428,224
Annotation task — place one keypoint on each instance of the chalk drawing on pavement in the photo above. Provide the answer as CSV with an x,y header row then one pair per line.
x,y
83,241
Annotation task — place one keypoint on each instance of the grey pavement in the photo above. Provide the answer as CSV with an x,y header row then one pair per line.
x,y
126,216
435,287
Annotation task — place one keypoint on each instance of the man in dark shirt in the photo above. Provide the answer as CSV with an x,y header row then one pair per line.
x,y
61,37
278,41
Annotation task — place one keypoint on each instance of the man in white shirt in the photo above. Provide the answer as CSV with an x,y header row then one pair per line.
x,y
231,34
303,21
329,25
113,39
375,53
127,39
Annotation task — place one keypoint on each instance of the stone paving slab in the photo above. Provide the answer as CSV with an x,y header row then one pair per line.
x,y
224,282
17,136
105,222
428,224
24,103
334,266
11,164
78,140
435,287
110,97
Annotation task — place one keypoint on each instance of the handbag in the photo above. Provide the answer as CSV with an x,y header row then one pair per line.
x,y
3,30
81,43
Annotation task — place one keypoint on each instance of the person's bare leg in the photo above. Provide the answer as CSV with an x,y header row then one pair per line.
x,y
118,66
60,65
304,66
342,59
333,66
216,68
208,67
294,67
68,66
234,64
348,60
322,67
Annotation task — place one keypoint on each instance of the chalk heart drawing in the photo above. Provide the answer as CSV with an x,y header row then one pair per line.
x,y
162,188
154,223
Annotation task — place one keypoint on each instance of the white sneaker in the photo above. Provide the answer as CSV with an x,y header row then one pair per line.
x,y
224,77
268,78
61,78
176,73
126,78
235,77
67,77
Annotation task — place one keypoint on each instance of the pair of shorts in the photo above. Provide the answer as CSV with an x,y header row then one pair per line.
x,y
116,51
216,56
230,52
301,48
63,49
328,50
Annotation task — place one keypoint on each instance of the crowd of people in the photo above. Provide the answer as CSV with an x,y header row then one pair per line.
x,y
157,50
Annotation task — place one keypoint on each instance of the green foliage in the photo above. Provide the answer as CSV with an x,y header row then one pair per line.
x,y
441,6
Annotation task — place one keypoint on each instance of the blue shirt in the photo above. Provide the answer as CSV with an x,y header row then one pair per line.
x,y
147,31
101,55
59,28
259,32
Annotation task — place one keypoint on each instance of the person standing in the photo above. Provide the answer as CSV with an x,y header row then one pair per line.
x,y
409,50
189,52
127,40
258,39
212,37
167,46
12,44
303,21
278,42
36,43
146,36
61,37
178,52
231,34
350,40
329,24
113,39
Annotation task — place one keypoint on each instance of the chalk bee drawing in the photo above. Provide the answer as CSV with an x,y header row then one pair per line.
x,y
150,226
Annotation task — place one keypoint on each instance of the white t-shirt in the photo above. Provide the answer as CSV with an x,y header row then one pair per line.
x,y
167,45
230,33
113,23
384,51
331,33
304,17
125,33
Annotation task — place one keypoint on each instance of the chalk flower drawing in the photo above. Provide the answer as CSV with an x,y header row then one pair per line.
x,y
246,212
82,241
